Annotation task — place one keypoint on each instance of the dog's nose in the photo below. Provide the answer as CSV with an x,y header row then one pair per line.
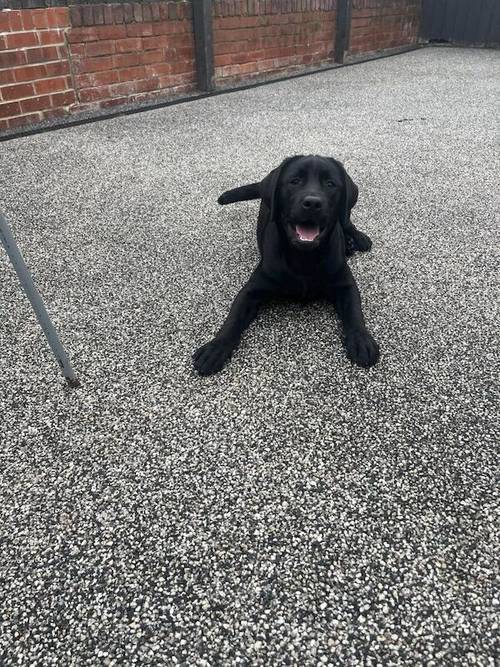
x,y
311,203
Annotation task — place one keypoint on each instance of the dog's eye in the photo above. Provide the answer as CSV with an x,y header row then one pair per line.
x,y
330,184
295,181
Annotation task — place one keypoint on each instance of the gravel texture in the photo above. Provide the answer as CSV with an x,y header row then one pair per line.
x,y
293,509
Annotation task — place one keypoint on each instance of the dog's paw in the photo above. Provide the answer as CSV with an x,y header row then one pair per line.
x,y
211,357
361,241
362,348
224,198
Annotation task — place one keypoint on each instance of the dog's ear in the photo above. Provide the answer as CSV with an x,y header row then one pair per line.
x,y
269,186
349,195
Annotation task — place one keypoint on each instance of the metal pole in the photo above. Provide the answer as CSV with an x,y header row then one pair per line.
x,y
26,281
203,41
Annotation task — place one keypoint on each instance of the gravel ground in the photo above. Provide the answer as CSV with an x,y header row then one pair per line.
x,y
293,509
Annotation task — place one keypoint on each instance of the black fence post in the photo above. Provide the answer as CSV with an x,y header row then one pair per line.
x,y
342,29
204,47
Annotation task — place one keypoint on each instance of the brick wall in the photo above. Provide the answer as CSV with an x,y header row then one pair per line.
x,y
35,77
128,52
383,24
62,60
253,38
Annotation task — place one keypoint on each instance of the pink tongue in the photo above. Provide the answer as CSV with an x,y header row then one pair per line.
x,y
307,233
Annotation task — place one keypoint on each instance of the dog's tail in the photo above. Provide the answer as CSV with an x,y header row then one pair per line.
x,y
243,193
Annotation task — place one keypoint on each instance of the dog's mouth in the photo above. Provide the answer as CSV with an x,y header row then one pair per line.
x,y
307,234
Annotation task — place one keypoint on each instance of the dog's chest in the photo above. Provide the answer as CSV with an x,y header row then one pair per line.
x,y
301,282
297,275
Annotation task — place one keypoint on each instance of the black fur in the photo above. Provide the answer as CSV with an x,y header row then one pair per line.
x,y
302,231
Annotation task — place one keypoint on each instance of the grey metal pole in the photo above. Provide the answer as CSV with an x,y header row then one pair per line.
x,y
36,301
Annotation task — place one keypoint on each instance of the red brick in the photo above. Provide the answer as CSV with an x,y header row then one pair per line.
x,y
126,60
146,85
75,15
140,29
180,67
230,47
58,68
105,78
223,59
166,28
128,13
43,54
155,11
98,15
6,76
163,11
4,124
87,15
17,92
5,22
149,57
122,89
108,15
19,121
10,109
54,113
113,102
21,40
147,15
237,22
168,81
51,37
181,40
111,31
36,104
84,81
185,11
10,21
156,42
30,73
101,48
118,14
137,9
77,49
132,73
95,94
63,99
159,69
130,44
95,64
27,19
172,11
45,86
86,34
58,17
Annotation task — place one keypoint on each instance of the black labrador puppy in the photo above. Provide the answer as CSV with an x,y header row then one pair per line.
x,y
302,231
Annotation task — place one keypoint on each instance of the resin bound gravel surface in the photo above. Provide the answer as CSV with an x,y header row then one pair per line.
x,y
293,509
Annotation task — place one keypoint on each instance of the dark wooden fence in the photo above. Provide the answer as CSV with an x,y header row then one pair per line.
x,y
468,22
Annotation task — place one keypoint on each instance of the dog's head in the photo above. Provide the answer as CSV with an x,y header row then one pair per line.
x,y
307,196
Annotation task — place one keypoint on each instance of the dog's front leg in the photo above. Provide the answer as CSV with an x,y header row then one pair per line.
x,y
360,345
211,357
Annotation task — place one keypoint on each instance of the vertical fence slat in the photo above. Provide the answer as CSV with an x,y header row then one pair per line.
x,y
342,29
203,39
